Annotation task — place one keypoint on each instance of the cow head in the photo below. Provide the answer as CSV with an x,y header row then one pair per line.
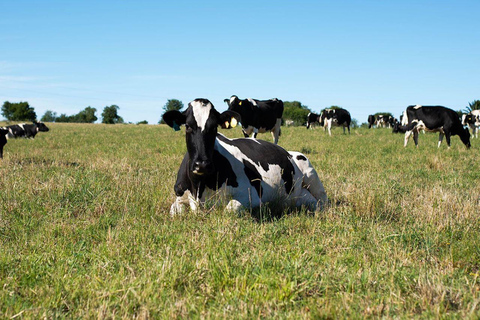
x,y
201,121
40,126
233,103
465,137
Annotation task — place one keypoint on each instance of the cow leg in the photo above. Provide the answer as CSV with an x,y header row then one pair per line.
x,y
415,137
276,131
255,133
247,131
447,137
440,139
407,136
181,201
348,127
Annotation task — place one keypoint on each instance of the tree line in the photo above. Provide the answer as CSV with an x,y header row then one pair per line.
x,y
22,111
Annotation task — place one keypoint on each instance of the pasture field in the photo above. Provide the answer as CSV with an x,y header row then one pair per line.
x,y
85,231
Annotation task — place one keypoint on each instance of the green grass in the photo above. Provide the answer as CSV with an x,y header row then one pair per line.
x,y
85,231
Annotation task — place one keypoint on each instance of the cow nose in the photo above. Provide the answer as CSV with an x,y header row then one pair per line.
x,y
201,167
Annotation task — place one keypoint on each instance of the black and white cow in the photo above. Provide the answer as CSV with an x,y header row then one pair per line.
x,y
385,121
247,171
25,130
371,121
472,119
3,140
312,119
258,115
433,119
337,117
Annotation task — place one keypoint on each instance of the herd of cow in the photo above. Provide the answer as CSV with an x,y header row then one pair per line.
x,y
252,172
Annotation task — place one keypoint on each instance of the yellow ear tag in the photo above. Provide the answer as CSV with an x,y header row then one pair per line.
x,y
226,124
240,103
233,122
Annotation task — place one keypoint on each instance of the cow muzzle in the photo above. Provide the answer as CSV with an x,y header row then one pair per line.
x,y
201,168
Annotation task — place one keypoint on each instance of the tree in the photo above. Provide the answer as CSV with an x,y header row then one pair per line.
x,y
475,105
384,114
172,104
49,116
18,111
294,110
143,122
86,116
110,115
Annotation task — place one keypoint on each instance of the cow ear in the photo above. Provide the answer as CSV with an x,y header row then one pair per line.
x,y
174,119
229,119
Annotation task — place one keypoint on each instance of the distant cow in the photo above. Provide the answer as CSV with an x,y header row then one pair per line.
x,y
25,130
249,172
472,119
312,119
385,121
258,115
3,140
433,119
371,121
338,117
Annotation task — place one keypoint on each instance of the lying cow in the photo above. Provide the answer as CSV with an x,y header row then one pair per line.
x,y
248,171
258,115
312,119
25,130
433,119
3,140
472,119
338,117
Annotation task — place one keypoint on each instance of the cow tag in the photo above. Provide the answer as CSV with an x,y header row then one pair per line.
x,y
240,103
233,122
226,124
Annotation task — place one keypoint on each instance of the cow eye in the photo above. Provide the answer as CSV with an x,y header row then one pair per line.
x,y
188,129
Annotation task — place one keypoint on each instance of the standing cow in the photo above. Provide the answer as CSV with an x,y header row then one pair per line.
x,y
472,119
258,115
337,117
249,172
433,119
312,119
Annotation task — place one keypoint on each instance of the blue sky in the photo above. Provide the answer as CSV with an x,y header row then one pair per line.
x,y
365,56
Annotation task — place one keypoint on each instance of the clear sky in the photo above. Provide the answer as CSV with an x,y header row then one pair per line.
x,y
365,56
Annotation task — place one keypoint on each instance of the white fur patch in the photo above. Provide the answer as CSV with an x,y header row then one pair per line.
x,y
201,113
417,106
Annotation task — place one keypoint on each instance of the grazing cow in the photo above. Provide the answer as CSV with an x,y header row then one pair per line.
x,y
25,130
312,119
258,115
472,119
338,117
433,119
248,171
3,140
371,121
